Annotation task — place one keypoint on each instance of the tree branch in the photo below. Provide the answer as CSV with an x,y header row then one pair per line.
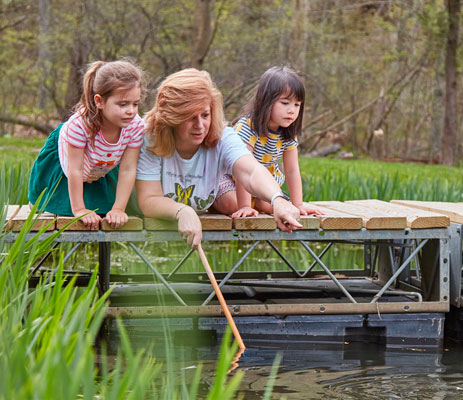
x,y
42,128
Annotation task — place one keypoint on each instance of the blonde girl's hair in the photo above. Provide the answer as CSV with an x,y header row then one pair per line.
x,y
275,82
180,97
104,78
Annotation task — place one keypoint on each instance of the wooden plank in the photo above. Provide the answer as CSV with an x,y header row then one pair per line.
x,y
263,222
216,222
209,222
335,220
372,219
17,222
452,210
416,219
11,212
62,220
309,222
133,224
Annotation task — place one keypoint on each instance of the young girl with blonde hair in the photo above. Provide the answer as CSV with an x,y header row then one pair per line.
x,y
77,165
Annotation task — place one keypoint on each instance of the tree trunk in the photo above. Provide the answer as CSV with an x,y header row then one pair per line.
x,y
44,61
299,36
204,33
449,135
437,111
78,58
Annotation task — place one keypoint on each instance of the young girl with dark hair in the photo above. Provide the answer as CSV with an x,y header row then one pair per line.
x,y
76,166
269,125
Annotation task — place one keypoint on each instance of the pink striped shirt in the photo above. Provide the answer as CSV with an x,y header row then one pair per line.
x,y
103,156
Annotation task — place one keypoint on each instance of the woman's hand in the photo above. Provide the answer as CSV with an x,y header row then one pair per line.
x,y
245,212
116,218
304,210
286,215
91,220
189,226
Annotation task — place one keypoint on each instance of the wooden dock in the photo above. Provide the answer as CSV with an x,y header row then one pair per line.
x,y
350,215
394,236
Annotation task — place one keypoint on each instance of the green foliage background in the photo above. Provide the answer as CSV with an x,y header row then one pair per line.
x,y
388,56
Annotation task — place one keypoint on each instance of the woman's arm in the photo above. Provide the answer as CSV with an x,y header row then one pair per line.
x,y
76,188
293,179
125,182
153,204
258,181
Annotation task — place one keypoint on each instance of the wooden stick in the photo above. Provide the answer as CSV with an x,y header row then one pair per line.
x,y
219,295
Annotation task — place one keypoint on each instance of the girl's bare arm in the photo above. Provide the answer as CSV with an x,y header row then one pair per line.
x,y
294,182
125,183
76,188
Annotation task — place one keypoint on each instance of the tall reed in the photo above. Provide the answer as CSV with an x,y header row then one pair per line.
x,y
47,336
342,180
14,178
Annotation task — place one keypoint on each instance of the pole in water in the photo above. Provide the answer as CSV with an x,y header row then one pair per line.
x,y
219,295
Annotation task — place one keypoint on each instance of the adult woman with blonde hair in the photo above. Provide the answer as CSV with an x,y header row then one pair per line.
x,y
189,156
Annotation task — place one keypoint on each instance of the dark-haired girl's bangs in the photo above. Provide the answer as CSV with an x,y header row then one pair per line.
x,y
295,88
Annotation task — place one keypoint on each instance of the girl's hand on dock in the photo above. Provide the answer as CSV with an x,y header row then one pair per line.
x,y
286,215
91,220
304,210
189,226
116,218
245,212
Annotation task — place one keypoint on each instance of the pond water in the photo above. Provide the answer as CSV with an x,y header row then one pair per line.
x,y
355,371
307,371
349,370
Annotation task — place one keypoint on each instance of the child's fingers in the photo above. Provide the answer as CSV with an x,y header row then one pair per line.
x,y
310,211
316,212
245,212
116,219
92,221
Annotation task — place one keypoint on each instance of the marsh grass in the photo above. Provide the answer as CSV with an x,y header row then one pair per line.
x,y
47,337
14,178
20,150
323,179
331,179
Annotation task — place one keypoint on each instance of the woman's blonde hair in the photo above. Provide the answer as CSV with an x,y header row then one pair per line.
x,y
180,97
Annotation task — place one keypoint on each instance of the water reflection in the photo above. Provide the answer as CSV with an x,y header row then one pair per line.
x,y
355,371
360,371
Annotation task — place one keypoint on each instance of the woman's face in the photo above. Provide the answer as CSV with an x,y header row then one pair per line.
x,y
190,134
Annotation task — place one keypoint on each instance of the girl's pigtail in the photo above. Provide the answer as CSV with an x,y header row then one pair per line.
x,y
86,106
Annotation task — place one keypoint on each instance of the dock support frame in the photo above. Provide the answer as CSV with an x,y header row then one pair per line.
x,y
432,250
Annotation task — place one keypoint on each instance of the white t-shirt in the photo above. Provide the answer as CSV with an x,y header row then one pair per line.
x,y
194,181
103,156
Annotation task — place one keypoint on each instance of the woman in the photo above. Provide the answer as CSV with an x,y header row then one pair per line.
x,y
189,156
